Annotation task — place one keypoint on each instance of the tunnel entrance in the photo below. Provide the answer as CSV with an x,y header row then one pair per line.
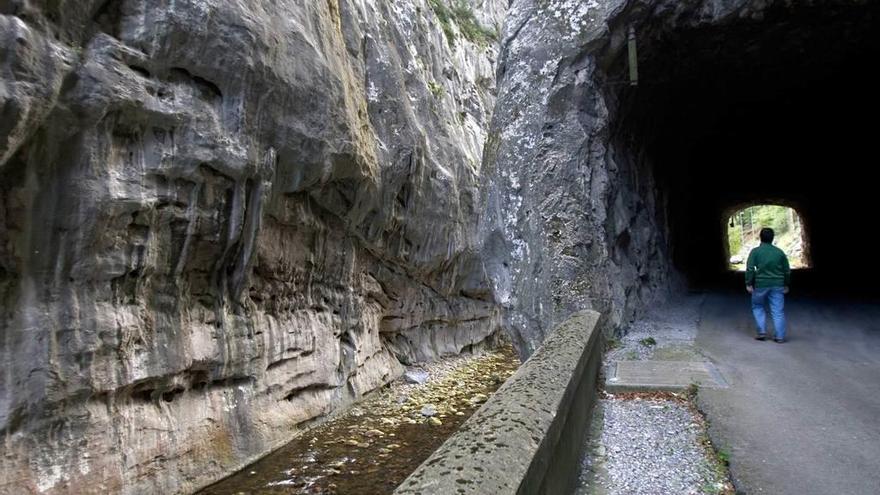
x,y
744,227
772,105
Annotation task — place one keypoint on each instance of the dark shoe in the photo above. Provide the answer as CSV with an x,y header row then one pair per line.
x,y
779,341
761,336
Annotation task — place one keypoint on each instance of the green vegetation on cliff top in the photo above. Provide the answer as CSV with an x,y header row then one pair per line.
x,y
461,14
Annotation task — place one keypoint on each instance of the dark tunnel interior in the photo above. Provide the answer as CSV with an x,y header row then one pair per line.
x,y
779,110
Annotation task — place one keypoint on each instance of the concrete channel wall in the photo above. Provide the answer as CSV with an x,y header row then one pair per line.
x,y
529,436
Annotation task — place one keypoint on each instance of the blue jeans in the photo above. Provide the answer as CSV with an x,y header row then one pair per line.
x,y
776,297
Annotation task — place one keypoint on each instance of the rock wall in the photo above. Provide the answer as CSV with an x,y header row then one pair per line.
x,y
575,219
576,215
220,220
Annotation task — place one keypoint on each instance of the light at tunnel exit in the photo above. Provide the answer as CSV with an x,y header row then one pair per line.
x,y
743,234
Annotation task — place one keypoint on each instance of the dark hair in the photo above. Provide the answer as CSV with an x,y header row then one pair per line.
x,y
767,234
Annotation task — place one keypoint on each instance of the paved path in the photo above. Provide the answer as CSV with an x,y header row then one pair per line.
x,y
802,417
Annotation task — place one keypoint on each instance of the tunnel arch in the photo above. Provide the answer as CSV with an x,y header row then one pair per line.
x,y
763,107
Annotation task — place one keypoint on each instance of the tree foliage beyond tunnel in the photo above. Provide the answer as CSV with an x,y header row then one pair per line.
x,y
744,227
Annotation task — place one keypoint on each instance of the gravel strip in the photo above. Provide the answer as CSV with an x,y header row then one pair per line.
x,y
650,446
653,443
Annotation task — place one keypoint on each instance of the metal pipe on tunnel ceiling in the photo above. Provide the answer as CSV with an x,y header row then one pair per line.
x,y
633,57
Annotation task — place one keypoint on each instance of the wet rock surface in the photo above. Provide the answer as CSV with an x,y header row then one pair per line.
x,y
376,444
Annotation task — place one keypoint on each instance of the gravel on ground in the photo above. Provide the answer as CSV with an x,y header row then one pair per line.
x,y
656,442
651,444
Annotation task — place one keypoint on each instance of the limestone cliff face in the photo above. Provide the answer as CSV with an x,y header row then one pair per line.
x,y
219,220
574,219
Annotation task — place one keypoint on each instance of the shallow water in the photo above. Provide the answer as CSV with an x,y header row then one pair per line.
x,y
374,447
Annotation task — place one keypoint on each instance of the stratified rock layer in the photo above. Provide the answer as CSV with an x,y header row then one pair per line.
x,y
219,220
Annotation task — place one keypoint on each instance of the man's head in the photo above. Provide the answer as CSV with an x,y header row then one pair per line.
x,y
767,235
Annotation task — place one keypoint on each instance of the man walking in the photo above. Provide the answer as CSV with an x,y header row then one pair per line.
x,y
767,279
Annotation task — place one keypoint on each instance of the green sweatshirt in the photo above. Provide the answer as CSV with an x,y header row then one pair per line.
x,y
767,267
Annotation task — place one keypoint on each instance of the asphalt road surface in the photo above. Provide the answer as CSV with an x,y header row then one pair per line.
x,y
801,417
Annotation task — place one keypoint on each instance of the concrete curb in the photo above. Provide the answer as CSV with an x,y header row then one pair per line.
x,y
529,437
